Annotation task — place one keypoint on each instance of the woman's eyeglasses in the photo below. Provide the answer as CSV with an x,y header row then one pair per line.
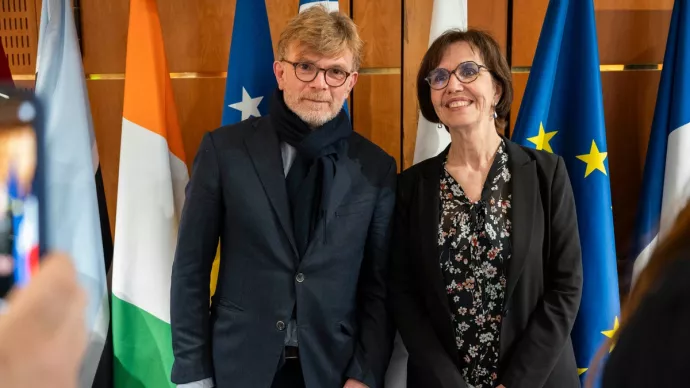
x,y
466,72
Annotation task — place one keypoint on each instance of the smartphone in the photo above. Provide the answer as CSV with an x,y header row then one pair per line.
x,y
21,188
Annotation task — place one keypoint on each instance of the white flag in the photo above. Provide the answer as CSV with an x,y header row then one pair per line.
x,y
72,204
432,139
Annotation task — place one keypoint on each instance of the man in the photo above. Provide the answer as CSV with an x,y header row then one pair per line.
x,y
302,206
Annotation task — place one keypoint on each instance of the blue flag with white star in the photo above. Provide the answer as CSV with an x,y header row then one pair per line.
x,y
562,112
250,82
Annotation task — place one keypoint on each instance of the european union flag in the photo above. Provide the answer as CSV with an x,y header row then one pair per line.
x,y
666,184
250,81
562,112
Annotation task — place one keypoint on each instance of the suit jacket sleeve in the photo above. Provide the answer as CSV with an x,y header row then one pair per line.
x,y
551,322
411,318
373,349
196,248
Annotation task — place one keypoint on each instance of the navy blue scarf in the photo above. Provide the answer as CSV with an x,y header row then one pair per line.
x,y
310,178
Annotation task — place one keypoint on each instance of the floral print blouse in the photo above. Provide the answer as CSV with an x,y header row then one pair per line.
x,y
474,240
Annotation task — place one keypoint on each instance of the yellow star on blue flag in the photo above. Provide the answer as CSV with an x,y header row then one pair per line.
x,y
564,92
611,333
541,141
594,160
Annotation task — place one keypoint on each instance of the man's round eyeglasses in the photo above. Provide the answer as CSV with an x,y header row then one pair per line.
x,y
466,72
307,72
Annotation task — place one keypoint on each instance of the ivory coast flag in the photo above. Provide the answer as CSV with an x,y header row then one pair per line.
x,y
151,186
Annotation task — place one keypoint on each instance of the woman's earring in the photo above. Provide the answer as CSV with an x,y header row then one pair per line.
x,y
495,115
440,125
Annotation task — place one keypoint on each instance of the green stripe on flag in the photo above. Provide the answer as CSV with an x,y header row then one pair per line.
x,y
143,348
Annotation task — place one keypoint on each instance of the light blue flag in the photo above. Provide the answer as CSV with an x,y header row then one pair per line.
x,y
666,184
562,112
71,198
331,6
251,82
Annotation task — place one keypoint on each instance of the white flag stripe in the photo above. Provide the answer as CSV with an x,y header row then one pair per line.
x,y
329,5
71,196
676,177
147,219
432,138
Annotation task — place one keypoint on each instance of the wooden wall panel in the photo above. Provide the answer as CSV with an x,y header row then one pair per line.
x,y
197,34
376,97
629,32
417,23
528,16
104,28
19,33
519,85
492,17
633,36
629,100
106,98
376,111
380,28
488,15
199,109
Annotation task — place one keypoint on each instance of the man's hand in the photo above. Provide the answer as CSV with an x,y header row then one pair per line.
x,y
42,331
352,383
501,386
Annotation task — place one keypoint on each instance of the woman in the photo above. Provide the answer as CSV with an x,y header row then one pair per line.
x,y
653,340
486,269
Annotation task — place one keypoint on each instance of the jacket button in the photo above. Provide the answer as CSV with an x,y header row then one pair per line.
x,y
299,277
280,325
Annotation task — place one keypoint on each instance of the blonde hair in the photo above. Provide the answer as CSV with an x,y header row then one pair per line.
x,y
321,32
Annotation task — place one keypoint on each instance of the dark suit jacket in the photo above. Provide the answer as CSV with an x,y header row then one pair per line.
x,y
652,350
544,277
237,192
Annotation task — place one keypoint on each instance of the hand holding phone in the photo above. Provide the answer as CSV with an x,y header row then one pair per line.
x,y
42,335
20,188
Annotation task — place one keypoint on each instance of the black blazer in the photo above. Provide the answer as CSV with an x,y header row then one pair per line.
x,y
544,277
237,192
652,349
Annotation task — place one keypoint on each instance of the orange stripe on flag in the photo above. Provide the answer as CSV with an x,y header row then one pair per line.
x,y
149,100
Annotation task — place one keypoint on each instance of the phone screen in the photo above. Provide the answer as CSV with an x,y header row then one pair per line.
x,y
19,201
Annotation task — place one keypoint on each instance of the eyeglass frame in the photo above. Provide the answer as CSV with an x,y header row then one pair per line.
x,y
319,70
454,72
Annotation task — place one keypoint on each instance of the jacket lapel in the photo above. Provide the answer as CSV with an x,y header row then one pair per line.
x,y
429,217
264,149
524,196
345,170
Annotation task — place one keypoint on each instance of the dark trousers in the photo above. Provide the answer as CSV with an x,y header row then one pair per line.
x,y
289,375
